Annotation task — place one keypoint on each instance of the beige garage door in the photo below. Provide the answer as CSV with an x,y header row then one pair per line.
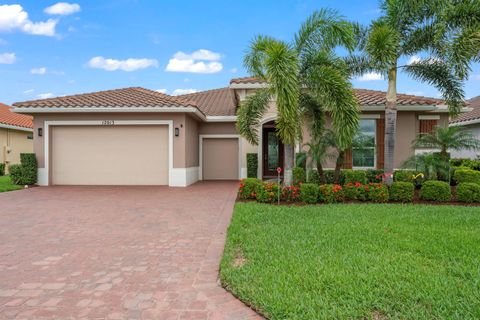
x,y
109,155
220,159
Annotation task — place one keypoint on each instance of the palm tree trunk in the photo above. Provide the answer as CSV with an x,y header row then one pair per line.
x,y
321,173
289,155
338,166
390,125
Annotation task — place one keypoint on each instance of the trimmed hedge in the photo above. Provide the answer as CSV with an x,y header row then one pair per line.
x,y
377,192
466,175
402,191
353,176
268,192
26,172
2,169
249,188
374,176
331,193
252,165
298,175
468,192
434,190
309,193
313,177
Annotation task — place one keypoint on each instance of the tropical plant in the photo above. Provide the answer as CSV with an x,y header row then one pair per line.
x,y
308,62
441,38
429,164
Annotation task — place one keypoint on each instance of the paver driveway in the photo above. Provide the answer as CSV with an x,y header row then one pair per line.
x,y
116,253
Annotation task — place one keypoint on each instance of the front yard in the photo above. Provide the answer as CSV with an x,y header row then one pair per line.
x,y
7,185
363,261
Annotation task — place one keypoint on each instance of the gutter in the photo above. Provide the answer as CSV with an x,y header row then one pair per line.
x,y
8,126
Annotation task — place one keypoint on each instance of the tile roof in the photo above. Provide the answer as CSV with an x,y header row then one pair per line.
x,y
474,103
7,117
127,97
366,97
216,102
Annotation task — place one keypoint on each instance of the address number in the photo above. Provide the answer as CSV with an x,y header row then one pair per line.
x,y
108,122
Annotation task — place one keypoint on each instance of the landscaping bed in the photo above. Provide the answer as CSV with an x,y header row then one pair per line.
x,y
355,261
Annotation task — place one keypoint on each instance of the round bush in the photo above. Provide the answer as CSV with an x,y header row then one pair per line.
x,y
249,187
268,192
436,191
377,192
468,192
402,191
466,175
331,193
309,193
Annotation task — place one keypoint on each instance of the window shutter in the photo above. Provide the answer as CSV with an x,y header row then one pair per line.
x,y
380,143
428,126
347,159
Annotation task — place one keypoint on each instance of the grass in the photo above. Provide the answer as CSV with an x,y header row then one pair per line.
x,y
7,185
362,261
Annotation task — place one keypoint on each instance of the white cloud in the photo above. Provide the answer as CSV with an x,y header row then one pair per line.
x,y
41,70
45,95
13,17
63,8
178,92
371,76
28,91
415,93
200,61
7,58
125,65
414,59
162,90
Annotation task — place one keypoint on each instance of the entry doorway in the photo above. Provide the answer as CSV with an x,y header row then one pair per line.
x,y
272,148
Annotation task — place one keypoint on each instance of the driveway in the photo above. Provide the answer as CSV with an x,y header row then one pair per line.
x,y
116,253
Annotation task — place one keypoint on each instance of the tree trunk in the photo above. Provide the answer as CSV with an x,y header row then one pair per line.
x,y
338,166
321,173
289,153
390,125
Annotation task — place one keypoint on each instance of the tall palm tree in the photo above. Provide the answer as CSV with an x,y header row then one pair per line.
x,y
308,64
446,33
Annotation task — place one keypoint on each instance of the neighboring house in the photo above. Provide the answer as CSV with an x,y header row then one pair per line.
x,y
135,136
16,135
469,121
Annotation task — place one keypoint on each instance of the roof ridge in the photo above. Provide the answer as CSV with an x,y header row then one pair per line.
x,y
156,93
204,91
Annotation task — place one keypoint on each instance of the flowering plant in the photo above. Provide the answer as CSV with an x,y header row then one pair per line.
x,y
331,193
248,188
291,193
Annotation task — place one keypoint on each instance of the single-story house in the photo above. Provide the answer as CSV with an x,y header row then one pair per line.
x,y
16,135
468,121
136,136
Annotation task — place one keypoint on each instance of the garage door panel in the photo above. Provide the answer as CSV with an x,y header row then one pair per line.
x,y
220,159
110,155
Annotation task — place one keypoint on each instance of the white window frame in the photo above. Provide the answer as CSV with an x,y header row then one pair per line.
x,y
374,147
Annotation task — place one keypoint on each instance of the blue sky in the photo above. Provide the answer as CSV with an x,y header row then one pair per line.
x,y
50,49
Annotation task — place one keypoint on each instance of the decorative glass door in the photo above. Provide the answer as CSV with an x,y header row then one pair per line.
x,y
272,153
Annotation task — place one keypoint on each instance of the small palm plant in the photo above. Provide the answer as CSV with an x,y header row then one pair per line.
x,y
318,152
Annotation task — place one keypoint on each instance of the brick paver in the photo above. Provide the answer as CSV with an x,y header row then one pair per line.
x,y
116,253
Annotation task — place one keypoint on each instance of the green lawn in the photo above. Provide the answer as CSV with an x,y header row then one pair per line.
x,y
360,261
7,185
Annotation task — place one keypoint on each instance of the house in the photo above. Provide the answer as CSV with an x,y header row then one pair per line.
x,y
136,136
16,135
468,121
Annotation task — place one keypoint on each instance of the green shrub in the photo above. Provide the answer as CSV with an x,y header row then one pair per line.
x,y
453,182
309,193
414,176
30,167
252,165
466,175
298,176
268,192
353,176
374,176
468,192
434,190
350,191
301,160
2,169
249,188
313,177
457,162
16,174
377,192
331,193
464,162
291,193
330,177
402,191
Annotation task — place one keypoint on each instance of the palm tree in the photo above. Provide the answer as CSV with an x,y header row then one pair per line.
x,y
444,32
309,64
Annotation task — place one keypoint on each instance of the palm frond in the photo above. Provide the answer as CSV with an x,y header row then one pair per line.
x,y
250,113
449,138
313,115
383,44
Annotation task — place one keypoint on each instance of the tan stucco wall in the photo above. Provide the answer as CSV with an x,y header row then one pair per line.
x,y
191,142
217,128
17,141
179,119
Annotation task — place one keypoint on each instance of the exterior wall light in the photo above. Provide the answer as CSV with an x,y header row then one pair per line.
x,y
177,132
40,132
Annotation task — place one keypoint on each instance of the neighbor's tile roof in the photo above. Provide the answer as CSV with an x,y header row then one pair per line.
x,y
474,103
216,102
366,97
10,118
127,97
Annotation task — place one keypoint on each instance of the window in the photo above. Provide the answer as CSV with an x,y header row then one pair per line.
x,y
427,126
363,146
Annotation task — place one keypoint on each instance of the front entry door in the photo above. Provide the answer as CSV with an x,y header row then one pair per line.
x,y
272,153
